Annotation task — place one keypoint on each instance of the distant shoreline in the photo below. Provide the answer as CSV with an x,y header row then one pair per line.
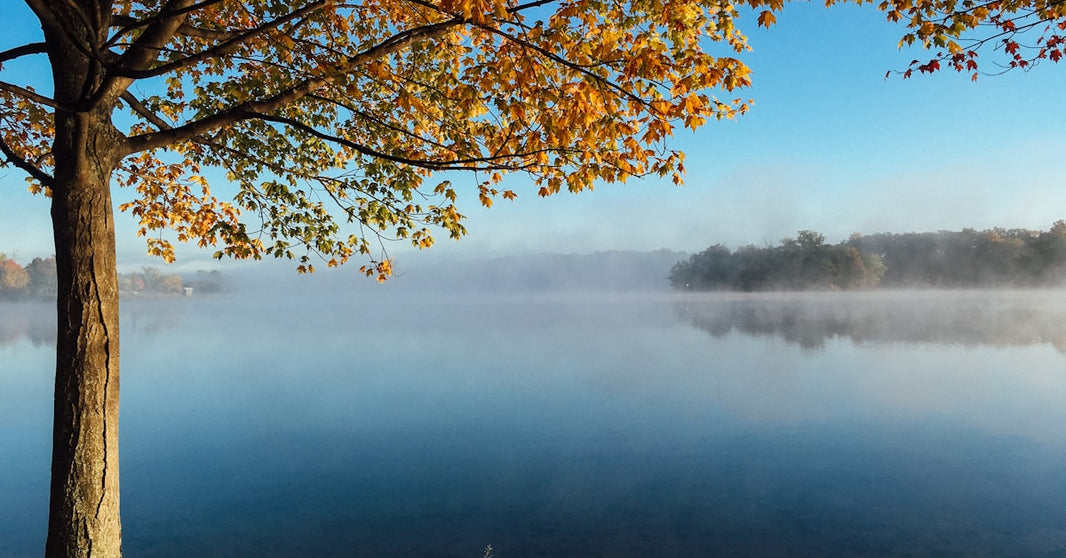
x,y
994,258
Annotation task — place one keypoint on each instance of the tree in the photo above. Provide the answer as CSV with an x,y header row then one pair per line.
x,y
14,281
42,276
1050,247
302,103
208,281
308,102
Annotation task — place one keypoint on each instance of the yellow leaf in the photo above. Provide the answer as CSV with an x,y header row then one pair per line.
x,y
767,18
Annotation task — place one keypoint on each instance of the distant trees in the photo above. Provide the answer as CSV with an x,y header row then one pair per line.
x,y
150,280
949,259
39,279
805,262
970,258
43,277
36,279
208,282
14,281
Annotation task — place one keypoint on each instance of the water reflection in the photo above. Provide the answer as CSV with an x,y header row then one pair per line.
x,y
36,320
993,318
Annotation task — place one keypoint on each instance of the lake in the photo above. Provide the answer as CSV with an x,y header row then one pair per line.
x,y
581,424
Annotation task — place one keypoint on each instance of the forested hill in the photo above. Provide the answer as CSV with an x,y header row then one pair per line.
x,y
945,259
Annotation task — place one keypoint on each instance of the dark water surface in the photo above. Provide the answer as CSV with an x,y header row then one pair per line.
x,y
900,424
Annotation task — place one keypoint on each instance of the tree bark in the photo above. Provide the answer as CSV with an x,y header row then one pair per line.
x,y
83,519
84,505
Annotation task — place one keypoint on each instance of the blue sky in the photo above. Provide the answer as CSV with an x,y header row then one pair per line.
x,y
829,145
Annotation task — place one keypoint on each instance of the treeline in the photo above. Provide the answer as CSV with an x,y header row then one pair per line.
x,y
38,279
804,262
944,259
150,280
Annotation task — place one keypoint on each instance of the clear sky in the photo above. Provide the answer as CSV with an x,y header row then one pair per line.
x,y
829,145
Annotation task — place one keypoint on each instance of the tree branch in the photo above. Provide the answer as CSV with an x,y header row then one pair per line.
x,y
251,109
29,48
529,5
221,49
142,110
127,23
13,158
568,64
146,47
27,94
373,119
143,50
59,20
50,22
583,70
458,164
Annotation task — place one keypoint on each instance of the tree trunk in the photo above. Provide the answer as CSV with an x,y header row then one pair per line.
x,y
84,506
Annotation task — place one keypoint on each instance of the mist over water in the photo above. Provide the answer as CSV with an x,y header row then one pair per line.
x,y
347,419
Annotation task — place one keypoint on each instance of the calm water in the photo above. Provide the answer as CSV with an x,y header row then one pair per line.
x,y
918,424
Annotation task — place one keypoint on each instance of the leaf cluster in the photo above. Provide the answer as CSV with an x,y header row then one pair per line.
x,y
341,125
1021,33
